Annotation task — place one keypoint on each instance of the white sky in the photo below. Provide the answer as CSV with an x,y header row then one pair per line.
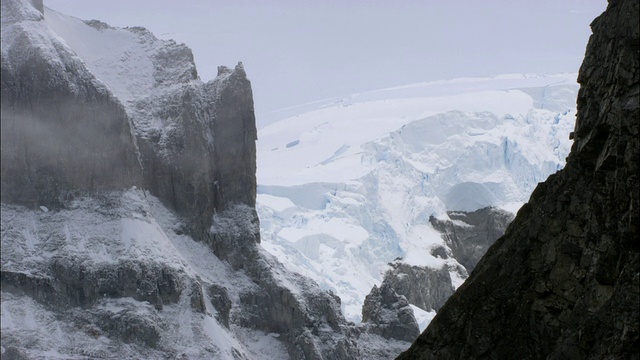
x,y
299,51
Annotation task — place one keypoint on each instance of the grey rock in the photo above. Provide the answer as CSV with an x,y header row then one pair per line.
x,y
388,314
200,163
72,283
132,324
422,286
564,280
62,131
220,300
13,353
308,319
469,243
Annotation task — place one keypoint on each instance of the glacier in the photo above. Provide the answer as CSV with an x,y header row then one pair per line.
x,y
346,187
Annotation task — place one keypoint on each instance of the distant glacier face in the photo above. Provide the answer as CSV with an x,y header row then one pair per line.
x,y
347,187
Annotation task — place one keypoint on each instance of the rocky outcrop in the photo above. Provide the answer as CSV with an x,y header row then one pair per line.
x,y
308,320
563,282
119,177
202,160
467,236
470,234
422,286
388,314
63,133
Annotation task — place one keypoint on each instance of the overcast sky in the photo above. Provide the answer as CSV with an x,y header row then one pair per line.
x,y
299,51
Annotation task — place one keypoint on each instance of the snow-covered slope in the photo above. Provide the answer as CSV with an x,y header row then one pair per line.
x,y
347,186
135,236
164,263
129,60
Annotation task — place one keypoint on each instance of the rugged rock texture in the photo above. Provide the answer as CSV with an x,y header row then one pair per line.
x,y
467,236
388,314
563,282
63,133
470,234
75,263
201,161
423,287
119,177
308,320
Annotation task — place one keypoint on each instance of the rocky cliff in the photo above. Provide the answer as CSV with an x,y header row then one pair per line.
x,y
62,130
470,234
72,125
466,236
563,282
128,224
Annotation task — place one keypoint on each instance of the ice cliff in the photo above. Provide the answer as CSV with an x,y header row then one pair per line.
x,y
392,180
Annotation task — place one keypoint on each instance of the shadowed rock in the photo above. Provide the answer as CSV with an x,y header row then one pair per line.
x,y
470,242
563,282
388,314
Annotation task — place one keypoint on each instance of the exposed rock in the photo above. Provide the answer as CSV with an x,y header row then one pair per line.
x,y
220,300
201,162
308,319
127,321
422,286
564,281
470,234
62,131
131,169
12,353
467,236
108,260
65,132
388,314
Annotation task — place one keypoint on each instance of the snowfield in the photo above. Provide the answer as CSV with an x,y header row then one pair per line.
x,y
347,186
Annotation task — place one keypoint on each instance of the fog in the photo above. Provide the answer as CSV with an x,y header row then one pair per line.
x,y
301,51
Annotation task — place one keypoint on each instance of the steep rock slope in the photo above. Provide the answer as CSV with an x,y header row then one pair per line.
x,y
563,283
62,130
466,237
196,140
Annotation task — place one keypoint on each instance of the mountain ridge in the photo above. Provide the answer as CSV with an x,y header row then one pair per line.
x,y
132,231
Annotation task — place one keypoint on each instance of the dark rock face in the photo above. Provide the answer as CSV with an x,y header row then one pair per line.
x,y
72,284
563,282
202,161
423,287
308,319
388,314
65,134
62,132
467,236
469,243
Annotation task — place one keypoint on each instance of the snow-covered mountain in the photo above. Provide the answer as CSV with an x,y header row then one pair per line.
x,y
128,226
347,186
